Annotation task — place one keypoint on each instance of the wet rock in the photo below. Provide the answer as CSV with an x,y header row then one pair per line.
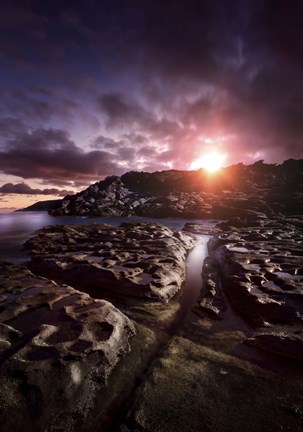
x,y
259,264
136,259
201,228
58,348
287,344
251,270
211,302
213,307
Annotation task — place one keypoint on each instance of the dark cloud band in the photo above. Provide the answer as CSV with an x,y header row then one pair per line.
x,y
25,189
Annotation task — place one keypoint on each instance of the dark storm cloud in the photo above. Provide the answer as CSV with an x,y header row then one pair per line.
x,y
184,37
121,150
43,110
171,38
37,105
65,183
10,127
157,75
283,22
120,110
51,154
136,152
106,143
25,189
135,138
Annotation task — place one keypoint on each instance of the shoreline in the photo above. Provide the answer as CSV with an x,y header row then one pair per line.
x,y
208,337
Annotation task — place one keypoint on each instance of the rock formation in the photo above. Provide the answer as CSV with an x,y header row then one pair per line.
x,y
238,190
250,307
58,347
258,265
141,260
94,335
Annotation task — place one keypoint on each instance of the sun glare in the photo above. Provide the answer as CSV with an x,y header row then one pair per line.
x,y
211,162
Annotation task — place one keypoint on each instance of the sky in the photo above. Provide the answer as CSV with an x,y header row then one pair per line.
x,y
91,88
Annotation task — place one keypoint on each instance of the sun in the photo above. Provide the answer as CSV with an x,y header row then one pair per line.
x,y
211,162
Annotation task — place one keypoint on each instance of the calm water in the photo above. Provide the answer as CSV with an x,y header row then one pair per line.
x,y
193,281
16,228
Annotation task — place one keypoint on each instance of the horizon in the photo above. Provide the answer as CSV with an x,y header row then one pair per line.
x,y
91,89
30,199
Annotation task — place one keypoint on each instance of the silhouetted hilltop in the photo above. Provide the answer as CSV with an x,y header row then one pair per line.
x,y
234,191
43,205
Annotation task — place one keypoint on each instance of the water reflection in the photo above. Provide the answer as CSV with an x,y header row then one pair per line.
x,y
194,262
16,228
20,223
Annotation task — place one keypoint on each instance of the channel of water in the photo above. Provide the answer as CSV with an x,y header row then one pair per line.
x,y
193,280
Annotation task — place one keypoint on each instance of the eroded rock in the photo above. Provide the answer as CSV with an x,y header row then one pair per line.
x,y
211,301
136,259
58,348
258,267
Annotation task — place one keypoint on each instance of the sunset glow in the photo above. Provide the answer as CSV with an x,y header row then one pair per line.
x,y
156,86
211,162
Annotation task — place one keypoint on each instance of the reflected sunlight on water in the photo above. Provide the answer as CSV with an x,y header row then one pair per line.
x,y
194,263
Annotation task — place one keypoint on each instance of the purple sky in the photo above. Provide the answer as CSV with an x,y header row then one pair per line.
x,y
93,88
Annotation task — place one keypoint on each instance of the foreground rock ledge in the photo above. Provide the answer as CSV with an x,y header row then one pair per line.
x,y
192,388
58,347
144,260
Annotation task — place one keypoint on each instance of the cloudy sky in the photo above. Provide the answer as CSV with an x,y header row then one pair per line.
x,y
91,88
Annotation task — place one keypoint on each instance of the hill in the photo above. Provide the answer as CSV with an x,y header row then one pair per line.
x,y
42,205
238,190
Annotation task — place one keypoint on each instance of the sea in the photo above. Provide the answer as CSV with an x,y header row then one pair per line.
x,y
17,227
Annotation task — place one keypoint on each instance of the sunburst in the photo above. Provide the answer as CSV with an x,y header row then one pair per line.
x,y
211,162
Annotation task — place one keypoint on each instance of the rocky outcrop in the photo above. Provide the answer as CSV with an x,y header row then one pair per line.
x,y
247,191
257,265
260,268
58,347
136,259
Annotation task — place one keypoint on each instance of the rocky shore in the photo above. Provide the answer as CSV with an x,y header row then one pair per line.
x,y
141,260
236,361
94,335
58,348
260,268
61,348
238,190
